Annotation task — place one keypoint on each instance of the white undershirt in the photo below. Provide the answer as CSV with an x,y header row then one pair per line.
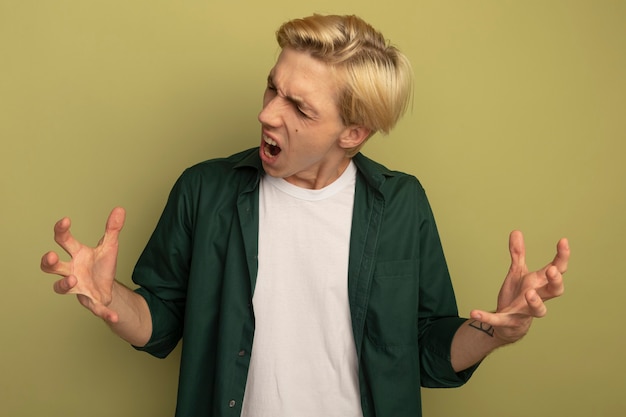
x,y
303,360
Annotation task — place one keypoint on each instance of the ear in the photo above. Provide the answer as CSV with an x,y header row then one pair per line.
x,y
354,136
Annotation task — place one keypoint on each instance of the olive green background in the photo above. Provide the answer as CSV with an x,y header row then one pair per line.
x,y
518,122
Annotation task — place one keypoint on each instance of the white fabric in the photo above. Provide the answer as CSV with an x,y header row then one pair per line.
x,y
303,356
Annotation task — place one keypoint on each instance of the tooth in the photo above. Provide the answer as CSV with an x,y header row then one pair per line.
x,y
270,141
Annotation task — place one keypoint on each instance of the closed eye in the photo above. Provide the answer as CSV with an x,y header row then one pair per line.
x,y
294,102
270,84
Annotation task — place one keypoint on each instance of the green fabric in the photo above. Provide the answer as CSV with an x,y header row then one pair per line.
x,y
198,273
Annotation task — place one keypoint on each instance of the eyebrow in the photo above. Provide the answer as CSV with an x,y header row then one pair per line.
x,y
295,100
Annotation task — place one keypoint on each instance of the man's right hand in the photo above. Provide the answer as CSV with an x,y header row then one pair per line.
x,y
90,274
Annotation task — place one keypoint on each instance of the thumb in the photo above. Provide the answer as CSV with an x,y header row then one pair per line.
x,y
114,225
98,309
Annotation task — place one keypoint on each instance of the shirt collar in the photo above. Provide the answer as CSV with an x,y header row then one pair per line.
x,y
374,173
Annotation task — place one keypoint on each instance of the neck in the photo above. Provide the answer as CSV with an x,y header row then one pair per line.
x,y
321,178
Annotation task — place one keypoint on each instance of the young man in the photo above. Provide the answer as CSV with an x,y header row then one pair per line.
x,y
304,278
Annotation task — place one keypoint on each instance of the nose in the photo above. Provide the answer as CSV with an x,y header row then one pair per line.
x,y
270,113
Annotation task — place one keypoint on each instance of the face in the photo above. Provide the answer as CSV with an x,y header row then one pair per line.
x,y
303,137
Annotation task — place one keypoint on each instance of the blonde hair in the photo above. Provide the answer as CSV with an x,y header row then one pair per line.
x,y
378,77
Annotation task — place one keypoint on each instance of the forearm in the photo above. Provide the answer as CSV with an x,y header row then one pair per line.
x,y
134,323
472,342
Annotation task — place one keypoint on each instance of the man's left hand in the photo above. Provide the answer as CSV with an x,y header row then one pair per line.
x,y
523,294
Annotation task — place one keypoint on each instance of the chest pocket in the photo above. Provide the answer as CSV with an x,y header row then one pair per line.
x,y
392,309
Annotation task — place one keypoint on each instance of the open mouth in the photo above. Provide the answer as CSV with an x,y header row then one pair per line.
x,y
271,148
